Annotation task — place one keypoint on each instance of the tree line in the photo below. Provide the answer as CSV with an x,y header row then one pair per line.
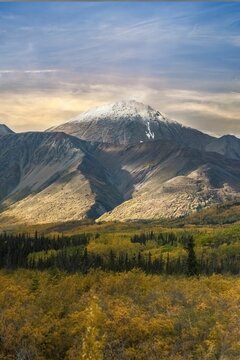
x,y
163,238
70,254
15,249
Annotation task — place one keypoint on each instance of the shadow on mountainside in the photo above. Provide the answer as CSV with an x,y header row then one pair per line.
x,y
103,185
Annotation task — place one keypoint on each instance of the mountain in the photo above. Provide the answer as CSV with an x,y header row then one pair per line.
x,y
131,122
4,130
122,161
49,177
54,177
128,123
169,181
227,145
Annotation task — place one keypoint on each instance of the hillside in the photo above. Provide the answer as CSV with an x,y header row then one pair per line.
x,y
41,179
53,177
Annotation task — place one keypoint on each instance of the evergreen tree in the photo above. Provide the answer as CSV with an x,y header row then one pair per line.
x,y
191,258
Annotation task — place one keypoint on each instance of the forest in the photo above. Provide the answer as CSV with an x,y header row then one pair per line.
x,y
120,291
70,253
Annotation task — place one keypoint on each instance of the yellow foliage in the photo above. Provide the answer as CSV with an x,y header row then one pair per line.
x,y
106,316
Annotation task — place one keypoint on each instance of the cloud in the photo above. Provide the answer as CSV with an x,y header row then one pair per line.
x,y
40,71
166,35
213,112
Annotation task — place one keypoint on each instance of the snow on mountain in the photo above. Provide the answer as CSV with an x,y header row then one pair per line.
x,y
128,123
130,110
150,135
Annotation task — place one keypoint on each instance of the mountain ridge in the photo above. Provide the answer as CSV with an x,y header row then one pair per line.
x,y
61,178
135,164
5,130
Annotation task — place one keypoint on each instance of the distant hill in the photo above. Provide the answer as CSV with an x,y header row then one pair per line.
x,y
4,130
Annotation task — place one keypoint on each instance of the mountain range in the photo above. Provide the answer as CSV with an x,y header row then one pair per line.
x,y
122,161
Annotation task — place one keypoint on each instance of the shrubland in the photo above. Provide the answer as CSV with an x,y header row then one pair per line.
x,y
105,315
120,291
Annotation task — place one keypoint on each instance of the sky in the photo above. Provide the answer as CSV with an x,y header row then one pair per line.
x,y
61,58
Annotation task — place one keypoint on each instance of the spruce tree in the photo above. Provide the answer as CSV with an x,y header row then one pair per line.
x,y
191,258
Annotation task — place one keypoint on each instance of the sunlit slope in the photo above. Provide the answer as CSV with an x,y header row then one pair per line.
x,y
48,177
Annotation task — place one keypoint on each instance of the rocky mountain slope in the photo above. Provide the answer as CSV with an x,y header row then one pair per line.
x,y
131,163
53,177
50,177
171,181
128,123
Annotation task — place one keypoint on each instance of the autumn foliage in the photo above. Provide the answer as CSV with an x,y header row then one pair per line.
x,y
121,292
51,315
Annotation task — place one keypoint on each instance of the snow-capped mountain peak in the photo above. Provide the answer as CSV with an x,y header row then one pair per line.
x,y
130,122
125,109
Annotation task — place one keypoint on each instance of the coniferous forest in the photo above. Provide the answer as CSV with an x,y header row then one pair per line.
x,y
70,254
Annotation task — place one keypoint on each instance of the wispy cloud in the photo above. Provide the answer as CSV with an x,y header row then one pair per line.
x,y
40,71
